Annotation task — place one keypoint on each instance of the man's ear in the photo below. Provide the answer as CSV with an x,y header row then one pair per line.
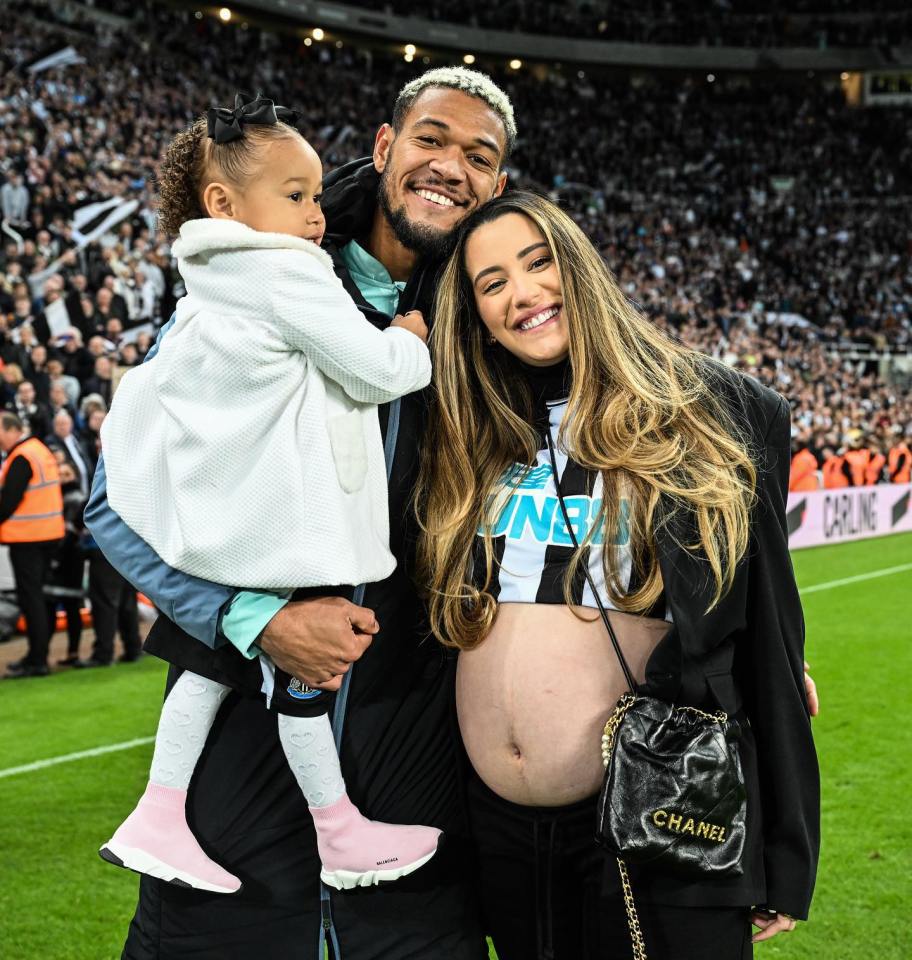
x,y
218,202
501,183
382,144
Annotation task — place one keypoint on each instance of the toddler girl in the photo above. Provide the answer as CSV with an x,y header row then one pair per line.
x,y
249,453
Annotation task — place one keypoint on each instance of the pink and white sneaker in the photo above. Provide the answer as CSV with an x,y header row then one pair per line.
x,y
155,840
357,852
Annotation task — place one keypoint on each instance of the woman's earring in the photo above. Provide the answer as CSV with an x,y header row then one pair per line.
x,y
492,340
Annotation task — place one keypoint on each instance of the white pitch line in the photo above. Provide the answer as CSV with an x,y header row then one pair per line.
x,y
79,755
141,741
886,572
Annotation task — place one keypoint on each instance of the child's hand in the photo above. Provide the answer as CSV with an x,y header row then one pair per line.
x,y
413,321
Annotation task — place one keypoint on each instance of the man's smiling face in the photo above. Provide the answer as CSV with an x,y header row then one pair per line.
x,y
442,164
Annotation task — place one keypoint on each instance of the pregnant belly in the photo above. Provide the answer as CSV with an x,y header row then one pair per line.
x,y
533,698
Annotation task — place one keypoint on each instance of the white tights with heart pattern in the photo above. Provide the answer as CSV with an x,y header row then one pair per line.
x,y
187,717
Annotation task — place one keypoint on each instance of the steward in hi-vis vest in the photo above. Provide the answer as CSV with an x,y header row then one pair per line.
x,y
875,467
31,522
836,473
38,513
899,464
803,473
858,458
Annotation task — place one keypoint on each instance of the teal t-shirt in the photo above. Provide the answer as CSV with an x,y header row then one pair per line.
x,y
373,280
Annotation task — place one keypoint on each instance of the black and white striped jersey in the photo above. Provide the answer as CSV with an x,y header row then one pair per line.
x,y
532,546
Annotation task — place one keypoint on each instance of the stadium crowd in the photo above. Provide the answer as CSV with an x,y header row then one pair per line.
x,y
767,225
735,23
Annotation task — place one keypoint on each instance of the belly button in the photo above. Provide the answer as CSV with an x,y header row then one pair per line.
x,y
515,751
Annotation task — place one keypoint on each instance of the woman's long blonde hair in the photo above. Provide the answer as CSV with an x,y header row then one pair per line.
x,y
640,412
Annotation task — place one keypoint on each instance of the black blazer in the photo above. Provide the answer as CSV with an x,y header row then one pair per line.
x,y
746,656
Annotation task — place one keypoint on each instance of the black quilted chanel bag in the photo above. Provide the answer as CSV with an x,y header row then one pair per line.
x,y
673,794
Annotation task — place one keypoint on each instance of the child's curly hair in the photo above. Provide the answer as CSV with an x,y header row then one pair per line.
x,y
193,161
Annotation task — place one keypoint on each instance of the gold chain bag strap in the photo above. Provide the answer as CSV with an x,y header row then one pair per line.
x,y
673,794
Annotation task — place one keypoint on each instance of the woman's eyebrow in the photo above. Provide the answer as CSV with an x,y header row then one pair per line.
x,y
522,253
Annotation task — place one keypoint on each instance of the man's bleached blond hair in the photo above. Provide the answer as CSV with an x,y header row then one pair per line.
x,y
472,82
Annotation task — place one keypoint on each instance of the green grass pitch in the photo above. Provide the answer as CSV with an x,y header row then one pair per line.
x,y
58,900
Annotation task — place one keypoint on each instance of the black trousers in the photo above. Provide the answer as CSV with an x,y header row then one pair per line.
x,y
401,759
73,610
66,590
31,563
113,608
549,892
249,814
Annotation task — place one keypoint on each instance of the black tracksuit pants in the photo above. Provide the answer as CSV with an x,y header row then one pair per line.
x,y
249,814
31,563
549,892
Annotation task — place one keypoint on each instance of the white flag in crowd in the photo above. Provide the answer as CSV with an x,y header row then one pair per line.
x,y
64,57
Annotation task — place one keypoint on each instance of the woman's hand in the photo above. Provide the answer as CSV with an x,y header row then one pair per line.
x,y
770,924
810,689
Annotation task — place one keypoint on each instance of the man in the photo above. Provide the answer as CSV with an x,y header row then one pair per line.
x,y
36,372
803,473
48,247
34,415
389,224
14,200
836,472
147,296
79,288
114,303
114,610
875,468
102,382
73,449
899,467
64,586
857,457
57,372
22,312
104,311
31,522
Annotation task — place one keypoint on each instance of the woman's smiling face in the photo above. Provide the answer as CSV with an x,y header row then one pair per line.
x,y
517,289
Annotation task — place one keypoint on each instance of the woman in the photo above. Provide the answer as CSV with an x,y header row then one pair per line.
x,y
675,486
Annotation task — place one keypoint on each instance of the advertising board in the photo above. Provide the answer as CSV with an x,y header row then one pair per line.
x,y
853,513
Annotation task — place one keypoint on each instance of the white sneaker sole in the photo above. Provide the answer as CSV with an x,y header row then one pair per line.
x,y
140,861
349,879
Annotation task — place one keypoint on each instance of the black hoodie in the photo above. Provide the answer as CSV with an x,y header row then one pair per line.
x,y
399,750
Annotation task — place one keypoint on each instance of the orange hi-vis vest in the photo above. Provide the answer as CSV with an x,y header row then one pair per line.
x,y
802,475
858,461
833,477
874,469
39,515
899,464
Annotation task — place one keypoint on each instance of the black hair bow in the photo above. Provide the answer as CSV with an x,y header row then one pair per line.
x,y
224,125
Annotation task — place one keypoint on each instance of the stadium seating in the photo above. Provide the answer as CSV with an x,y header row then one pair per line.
x,y
763,221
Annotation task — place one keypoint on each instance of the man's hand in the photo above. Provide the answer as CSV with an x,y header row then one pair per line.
x,y
317,640
770,924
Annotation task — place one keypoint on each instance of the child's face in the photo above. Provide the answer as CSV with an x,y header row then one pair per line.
x,y
284,195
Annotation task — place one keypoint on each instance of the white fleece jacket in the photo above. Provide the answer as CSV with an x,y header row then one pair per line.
x,y
248,451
